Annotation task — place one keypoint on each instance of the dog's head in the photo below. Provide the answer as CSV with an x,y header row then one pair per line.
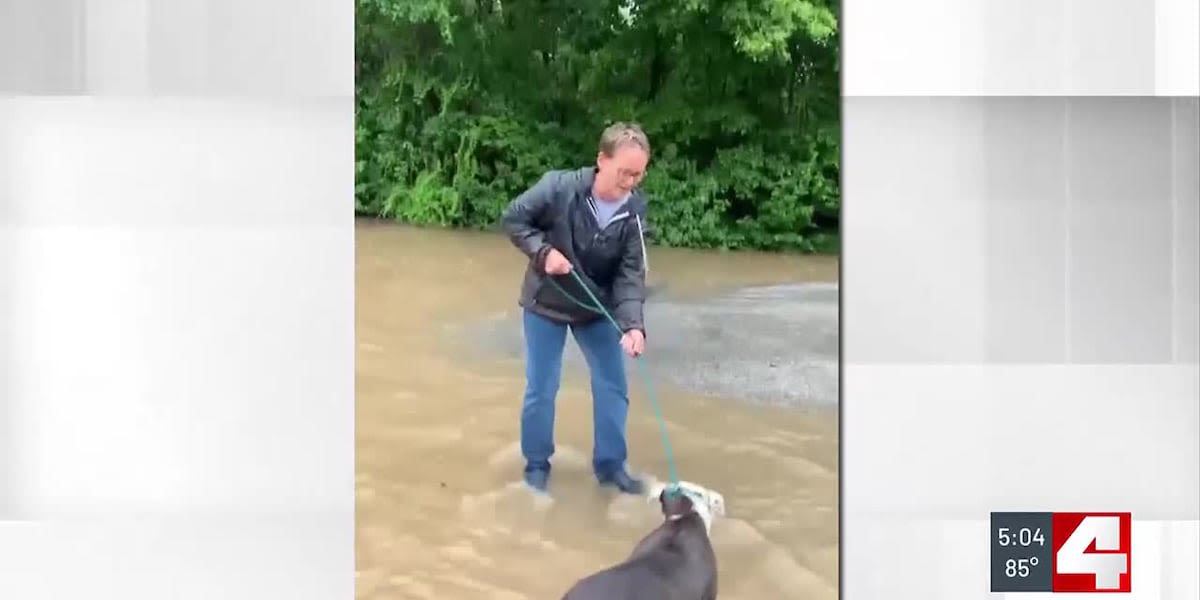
x,y
687,497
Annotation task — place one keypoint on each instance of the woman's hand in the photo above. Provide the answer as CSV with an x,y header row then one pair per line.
x,y
633,342
556,263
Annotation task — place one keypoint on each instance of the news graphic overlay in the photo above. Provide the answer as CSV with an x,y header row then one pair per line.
x,y
1060,552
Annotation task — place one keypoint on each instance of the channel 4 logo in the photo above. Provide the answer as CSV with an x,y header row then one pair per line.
x,y
1061,551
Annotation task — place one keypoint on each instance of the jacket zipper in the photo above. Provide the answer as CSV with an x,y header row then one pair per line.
x,y
620,217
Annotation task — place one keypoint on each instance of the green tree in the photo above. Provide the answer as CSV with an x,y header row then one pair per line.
x,y
463,104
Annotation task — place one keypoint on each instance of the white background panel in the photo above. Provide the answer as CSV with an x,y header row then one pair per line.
x,y
265,48
178,341
1021,48
1015,348
182,559
962,441
178,352
1177,48
176,300
190,162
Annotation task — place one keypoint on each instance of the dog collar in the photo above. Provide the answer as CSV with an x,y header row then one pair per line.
x,y
678,490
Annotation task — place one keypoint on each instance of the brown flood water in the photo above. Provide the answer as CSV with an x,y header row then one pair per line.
x,y
439,512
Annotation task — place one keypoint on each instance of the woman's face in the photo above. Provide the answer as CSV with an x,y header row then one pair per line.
x,y
621,172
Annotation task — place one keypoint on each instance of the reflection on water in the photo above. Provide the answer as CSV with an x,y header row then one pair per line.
x,y
439,513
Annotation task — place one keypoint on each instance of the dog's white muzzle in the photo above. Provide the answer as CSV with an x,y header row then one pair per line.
x,y
709,504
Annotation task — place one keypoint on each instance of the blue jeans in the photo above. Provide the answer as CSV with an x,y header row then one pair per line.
x,y
600,344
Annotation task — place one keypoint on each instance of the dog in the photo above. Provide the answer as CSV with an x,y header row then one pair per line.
x,y
674,562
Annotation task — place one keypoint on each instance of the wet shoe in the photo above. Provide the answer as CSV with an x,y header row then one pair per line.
x,y
537,479
623,481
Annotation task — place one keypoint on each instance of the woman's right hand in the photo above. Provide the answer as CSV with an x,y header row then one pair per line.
x,y
556,263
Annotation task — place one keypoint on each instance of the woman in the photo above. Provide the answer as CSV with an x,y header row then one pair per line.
x,y
591,221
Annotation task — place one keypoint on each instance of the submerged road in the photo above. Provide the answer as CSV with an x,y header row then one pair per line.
x,y
775,345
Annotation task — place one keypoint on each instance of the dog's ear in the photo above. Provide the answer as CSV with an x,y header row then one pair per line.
x,y
657,493
716,504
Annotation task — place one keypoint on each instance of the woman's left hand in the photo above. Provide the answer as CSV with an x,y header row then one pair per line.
x,y
633,342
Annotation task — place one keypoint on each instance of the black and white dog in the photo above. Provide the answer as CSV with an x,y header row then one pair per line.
x,y
674,562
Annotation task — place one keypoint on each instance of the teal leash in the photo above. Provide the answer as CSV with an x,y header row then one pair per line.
x,y
598,307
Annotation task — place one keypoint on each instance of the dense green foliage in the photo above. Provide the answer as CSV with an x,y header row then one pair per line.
x,y
462,104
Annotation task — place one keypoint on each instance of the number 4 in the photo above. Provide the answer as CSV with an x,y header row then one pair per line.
x,y
1107,567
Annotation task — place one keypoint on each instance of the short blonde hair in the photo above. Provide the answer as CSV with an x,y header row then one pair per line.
x,y
623,134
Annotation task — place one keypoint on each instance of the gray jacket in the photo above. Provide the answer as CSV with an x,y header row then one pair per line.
x,y
557,212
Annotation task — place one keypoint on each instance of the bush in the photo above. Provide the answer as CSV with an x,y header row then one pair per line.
x,y
462,105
